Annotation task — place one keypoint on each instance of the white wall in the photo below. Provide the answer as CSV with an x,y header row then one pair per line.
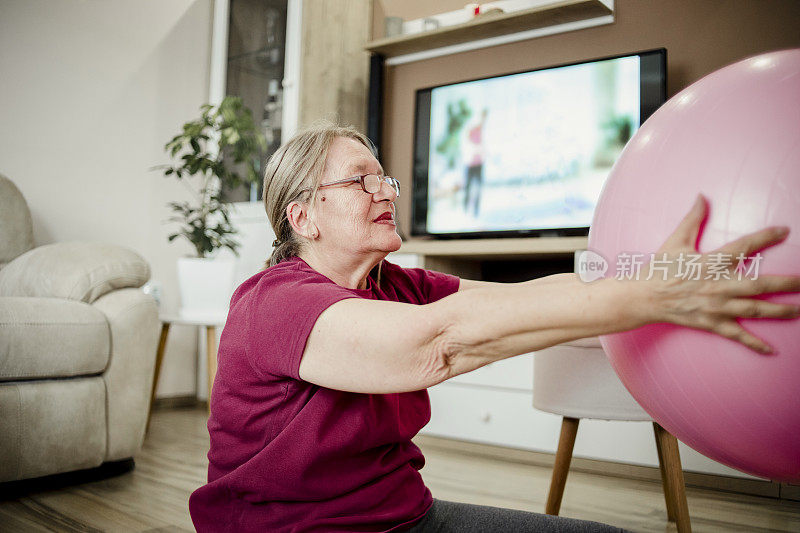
x,y
90,90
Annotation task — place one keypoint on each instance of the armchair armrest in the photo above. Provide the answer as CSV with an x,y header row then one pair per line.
x,y
132,318
81,271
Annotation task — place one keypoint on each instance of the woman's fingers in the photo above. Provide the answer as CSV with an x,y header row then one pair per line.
x,y
754,242
750,308
732,330
689,228
752,287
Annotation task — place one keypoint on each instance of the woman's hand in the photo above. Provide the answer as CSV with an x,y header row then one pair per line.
x,y
714,304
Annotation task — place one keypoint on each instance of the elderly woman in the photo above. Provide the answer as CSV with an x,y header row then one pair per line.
x,y
327,353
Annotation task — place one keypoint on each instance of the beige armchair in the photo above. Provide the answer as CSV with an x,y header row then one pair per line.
x,y
77,350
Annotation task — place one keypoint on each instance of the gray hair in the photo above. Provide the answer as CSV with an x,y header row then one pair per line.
x,y
294,167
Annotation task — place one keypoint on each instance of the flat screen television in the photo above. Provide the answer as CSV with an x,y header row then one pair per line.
x,y
527,153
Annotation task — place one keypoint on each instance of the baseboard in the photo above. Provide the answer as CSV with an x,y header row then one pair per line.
x,y
178,402
790,491
752,487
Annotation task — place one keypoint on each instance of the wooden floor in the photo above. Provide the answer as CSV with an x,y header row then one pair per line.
x,y
153,496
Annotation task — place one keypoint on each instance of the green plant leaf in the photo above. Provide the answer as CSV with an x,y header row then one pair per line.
x,y
240,146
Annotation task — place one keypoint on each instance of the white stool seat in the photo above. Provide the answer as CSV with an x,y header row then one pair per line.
x,y
575,379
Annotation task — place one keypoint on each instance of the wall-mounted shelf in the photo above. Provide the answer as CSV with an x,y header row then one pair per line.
x,y
481,249
552,14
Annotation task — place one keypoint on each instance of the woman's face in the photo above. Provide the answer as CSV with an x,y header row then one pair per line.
x,y
346,219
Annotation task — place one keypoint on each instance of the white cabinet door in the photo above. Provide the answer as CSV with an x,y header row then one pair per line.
x,y
503,417
512,373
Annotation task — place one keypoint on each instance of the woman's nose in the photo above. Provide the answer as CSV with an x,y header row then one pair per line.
x,y
386,192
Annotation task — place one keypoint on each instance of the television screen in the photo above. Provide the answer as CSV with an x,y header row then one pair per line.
x,y
527,153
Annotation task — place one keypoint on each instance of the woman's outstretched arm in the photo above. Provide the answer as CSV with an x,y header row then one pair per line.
x,y
484,325
381,347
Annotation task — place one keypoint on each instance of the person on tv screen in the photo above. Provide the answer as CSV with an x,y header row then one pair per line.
x,y
327,353
475,158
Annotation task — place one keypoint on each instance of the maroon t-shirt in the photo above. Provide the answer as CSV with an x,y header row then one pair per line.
x,y
288,455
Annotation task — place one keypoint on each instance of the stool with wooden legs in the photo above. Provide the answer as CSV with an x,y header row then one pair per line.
x,y
210,325
575,380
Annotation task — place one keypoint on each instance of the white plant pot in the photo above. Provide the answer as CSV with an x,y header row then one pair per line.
x,y
206,287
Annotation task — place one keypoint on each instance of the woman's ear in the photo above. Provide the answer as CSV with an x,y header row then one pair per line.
x,y
300,220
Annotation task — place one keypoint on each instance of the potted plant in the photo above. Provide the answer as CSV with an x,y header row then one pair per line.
x,y
220,150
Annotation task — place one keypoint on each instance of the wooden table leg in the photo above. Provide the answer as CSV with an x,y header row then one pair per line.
x,y
665,480
566,443
672,479
162,344
211,353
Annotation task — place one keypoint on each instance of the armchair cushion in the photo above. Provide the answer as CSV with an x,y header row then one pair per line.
x,y
81,271
51,338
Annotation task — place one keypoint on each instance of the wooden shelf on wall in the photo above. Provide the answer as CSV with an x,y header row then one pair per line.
x,y
481,249
489,26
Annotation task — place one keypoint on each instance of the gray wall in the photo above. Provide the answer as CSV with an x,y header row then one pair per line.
x,y
90,90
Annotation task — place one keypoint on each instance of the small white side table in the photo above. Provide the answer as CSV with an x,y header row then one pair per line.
x,y
211,348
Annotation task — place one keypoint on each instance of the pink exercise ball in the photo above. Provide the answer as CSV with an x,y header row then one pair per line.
x,y
733,136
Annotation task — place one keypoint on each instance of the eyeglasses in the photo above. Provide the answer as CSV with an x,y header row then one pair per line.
x,y
370,183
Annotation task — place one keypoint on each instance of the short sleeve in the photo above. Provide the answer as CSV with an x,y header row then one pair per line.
x,y
434,285
280,316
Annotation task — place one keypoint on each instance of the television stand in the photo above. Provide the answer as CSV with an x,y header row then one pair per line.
x,y
503,260
521,248
497,259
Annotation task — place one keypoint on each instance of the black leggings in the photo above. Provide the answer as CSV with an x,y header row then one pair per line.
x,y
446,517
473,195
